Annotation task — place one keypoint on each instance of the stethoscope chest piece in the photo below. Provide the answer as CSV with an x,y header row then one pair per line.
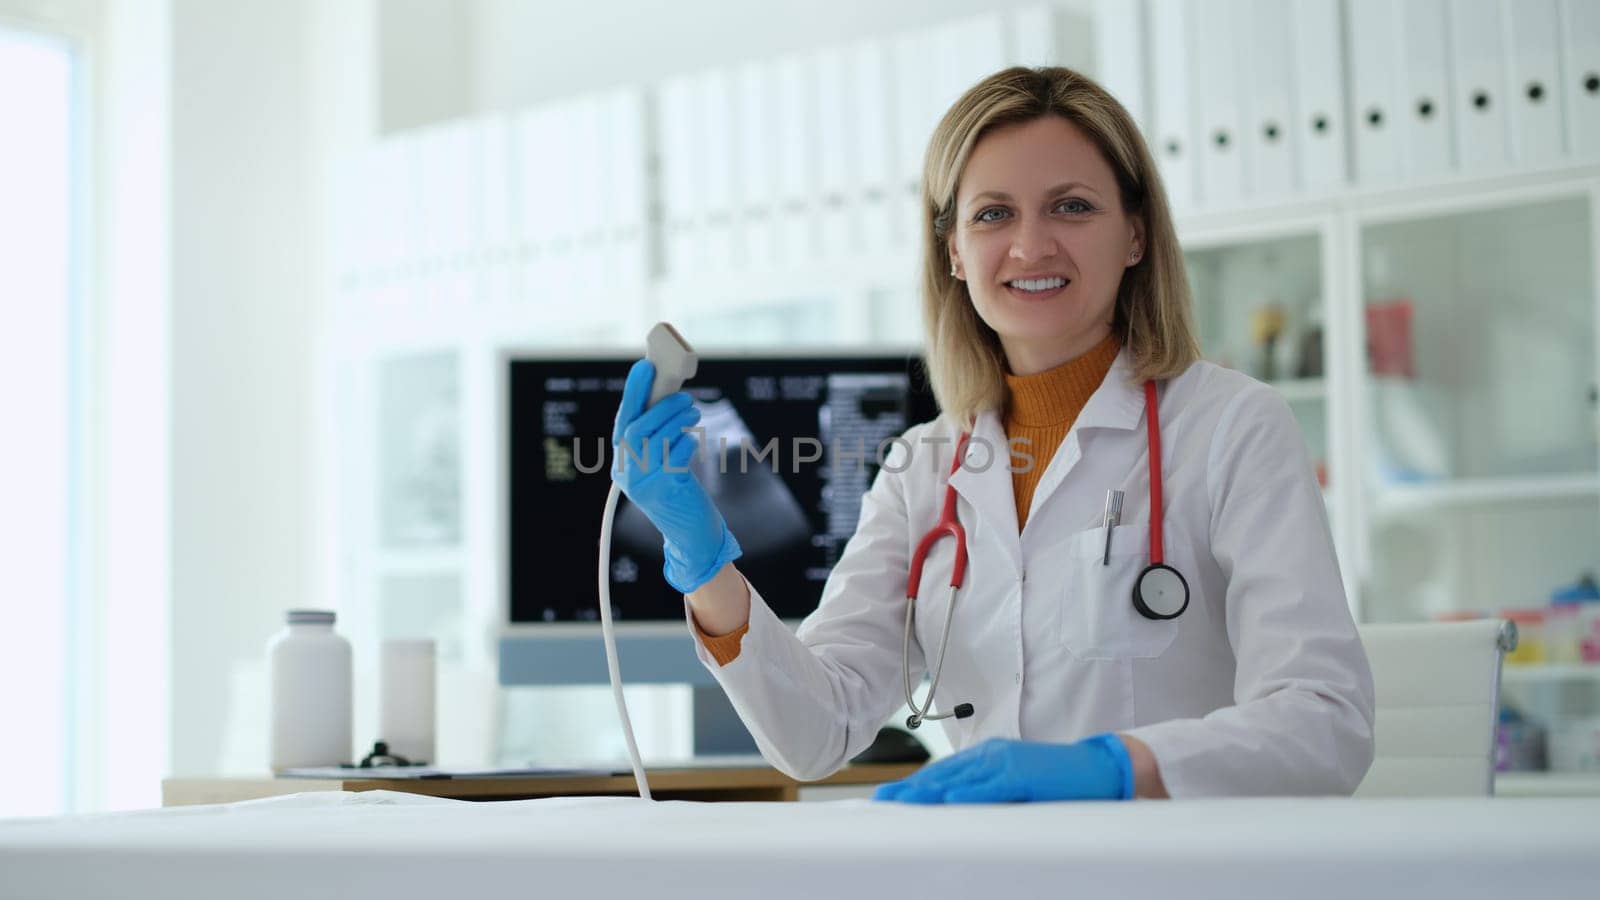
x,y
1160,592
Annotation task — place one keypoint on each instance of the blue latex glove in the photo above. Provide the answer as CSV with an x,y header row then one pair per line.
x,y
697,542
1002,771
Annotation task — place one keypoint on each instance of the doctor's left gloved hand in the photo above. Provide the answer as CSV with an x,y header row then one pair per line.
x,y
652,468
1005,771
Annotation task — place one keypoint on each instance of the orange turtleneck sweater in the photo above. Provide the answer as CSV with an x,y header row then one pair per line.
x,y
1041,408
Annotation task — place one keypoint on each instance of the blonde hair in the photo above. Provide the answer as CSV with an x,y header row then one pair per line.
x,y
966,364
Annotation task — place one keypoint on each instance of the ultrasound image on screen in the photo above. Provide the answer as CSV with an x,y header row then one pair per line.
x,y
789,447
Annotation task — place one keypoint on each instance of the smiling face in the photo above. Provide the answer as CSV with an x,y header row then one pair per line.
x,y
1042,241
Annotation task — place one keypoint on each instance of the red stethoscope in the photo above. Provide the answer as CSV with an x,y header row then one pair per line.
x,y
1159,592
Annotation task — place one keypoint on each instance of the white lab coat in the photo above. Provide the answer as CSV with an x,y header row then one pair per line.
x,y
1260,687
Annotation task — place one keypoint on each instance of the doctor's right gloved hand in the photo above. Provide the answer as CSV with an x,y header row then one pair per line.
x,y
1011,771
697,542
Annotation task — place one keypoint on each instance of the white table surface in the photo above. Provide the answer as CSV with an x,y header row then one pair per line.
x,y
394,846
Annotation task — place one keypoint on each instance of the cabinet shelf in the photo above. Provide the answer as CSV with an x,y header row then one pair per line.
x,y
1404,500
1535,674
1547,784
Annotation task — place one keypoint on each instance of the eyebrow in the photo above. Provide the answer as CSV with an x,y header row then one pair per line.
x,y
1058,189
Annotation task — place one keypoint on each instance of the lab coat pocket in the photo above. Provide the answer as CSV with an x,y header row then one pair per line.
x,y
1098,618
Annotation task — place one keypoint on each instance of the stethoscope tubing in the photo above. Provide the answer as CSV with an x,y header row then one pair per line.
x,y
949,525
1153,450
921,714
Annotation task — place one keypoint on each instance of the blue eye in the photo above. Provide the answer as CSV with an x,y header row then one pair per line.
x,y
1073,206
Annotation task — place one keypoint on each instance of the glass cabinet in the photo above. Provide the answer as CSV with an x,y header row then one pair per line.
x,y
1259,308
1438,350
1479,457
1478,406
418,546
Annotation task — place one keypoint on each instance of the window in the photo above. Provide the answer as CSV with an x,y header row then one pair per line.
x,y
40,403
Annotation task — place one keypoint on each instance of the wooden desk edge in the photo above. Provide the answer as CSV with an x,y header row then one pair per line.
x,y
684,783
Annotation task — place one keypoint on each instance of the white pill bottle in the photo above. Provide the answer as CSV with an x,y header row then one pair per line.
x,y
311,687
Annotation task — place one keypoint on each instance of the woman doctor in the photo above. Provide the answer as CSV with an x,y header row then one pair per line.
x,y
1054,293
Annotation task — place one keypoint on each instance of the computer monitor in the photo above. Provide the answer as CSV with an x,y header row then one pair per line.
x,y
789,447
791,443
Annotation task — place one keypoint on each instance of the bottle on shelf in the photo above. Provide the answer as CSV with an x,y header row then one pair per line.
x,y
311,681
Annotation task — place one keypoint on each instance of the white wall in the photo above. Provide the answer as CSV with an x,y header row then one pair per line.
x,y
243,227
523,53
343,45
425,61
124,748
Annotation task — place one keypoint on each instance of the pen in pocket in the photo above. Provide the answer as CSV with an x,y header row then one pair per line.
x,y
1112,520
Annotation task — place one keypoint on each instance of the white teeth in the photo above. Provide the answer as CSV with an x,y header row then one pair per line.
x,y
1040,284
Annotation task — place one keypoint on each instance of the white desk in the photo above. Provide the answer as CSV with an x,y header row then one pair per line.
x,y
397,846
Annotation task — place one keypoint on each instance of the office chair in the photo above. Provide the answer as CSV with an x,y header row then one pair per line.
x,y
1438,700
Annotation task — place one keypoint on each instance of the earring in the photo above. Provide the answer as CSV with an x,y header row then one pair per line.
x,y
953,270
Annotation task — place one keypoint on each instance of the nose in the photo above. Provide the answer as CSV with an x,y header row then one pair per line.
x,y
1033,240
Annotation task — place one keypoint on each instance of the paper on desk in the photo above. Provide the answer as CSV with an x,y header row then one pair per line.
x,y
434,772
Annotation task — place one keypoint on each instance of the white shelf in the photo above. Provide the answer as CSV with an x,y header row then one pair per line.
x,y
1417,198
1411,499
1534,674
1547,784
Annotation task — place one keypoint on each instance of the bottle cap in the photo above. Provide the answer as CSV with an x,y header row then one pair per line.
x,y
311,616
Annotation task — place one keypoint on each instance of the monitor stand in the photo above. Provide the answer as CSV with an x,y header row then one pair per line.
x,y
660,656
